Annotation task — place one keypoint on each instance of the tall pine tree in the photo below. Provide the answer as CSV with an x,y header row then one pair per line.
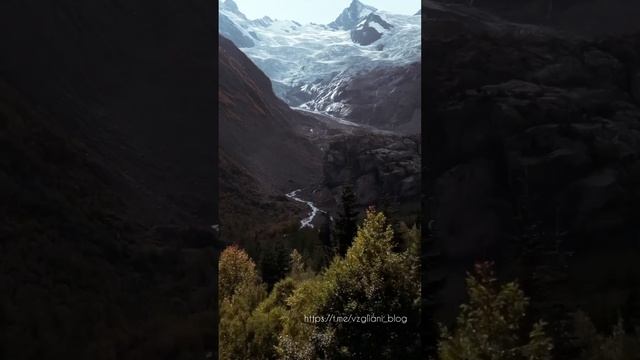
x,y
433,275
274,262
490,324
542,263
346,224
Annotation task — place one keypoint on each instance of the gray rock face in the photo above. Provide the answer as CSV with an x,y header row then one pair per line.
x,y
381,168
557,139
543,129
386,98
365,33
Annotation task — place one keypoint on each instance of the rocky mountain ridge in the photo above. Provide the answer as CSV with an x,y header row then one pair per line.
x,y
352,16
529,124
583,17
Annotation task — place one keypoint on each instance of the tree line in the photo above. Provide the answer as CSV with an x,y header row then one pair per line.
x,y
375,269
376,276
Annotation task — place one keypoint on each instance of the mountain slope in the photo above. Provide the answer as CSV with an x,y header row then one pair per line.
x,y
257,128
538,133
107,129
230,24
262,154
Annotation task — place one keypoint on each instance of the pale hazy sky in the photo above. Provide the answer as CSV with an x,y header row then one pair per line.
x,y
318,11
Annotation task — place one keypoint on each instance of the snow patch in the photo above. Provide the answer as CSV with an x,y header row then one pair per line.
x,y
377,27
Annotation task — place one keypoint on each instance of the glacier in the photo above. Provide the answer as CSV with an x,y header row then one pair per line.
x,y
309,63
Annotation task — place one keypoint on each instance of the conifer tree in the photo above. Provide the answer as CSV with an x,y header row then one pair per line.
x,y
266,321
296,264
432,281
619,345
274,262
490,324
543,264
372,279
325,246
346,223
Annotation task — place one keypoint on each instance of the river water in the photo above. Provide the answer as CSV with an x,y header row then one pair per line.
x,y
308,221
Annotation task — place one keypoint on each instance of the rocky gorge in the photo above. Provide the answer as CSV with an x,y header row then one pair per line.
x,y
378,167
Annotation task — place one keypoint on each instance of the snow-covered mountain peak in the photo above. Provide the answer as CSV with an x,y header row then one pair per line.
x,y
234,25
359,9
231,6
352,15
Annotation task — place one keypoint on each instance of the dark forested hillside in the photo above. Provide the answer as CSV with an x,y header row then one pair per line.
x,y
108,173
587,17
534,134
257,128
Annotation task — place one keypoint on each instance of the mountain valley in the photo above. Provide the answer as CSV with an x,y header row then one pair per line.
x,y
324,90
